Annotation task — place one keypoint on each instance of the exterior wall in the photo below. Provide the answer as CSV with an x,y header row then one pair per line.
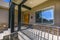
x,y
57,14
32,18
3,16
55,3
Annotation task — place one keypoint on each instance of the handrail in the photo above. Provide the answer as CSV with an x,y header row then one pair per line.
x,y
41,34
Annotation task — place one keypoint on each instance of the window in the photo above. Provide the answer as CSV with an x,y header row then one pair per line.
x,y
45,16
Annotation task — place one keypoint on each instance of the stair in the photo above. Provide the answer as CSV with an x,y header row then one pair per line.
x,y
6,35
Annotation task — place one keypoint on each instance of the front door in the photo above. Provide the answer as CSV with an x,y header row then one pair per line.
x,y
26,18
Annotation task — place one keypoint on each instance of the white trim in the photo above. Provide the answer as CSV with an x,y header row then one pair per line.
x,y
46,8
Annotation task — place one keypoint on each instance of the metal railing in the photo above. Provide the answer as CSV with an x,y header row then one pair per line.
x,y
43,33
38,33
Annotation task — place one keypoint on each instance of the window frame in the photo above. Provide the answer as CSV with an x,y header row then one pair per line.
x,y
46,8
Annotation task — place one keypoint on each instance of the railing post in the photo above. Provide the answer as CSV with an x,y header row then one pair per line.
x,y
9,14
11,17
19,17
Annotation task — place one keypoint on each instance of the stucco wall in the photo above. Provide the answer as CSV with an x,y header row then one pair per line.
x,y
3,16
55,3
32,18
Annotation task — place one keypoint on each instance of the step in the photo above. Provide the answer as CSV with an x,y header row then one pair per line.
x,y
24,36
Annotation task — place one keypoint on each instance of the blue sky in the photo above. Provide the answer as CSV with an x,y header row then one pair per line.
x,y
6,0
48,14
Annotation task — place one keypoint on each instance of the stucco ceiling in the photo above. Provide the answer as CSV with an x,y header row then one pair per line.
x,y
30,3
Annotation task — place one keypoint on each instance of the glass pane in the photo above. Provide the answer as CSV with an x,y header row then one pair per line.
x,y
48,16
38,17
